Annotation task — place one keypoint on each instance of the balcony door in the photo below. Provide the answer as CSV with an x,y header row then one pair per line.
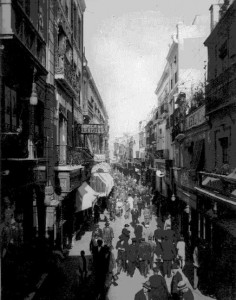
x,y
62,138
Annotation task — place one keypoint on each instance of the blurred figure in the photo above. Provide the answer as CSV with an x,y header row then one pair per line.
x,y
177,277
185,292
122,247
167,222
132,257
159,290
108,234
168,254
144,294
181,251
83,266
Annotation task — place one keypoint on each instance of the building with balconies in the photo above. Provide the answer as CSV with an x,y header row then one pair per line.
x,y
94,112
27,102
216,196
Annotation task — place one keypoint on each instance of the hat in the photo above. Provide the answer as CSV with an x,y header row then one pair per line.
x,y
134,240
107,223
147,285
150,237
126,225
147,225
120,237
181,285
174,266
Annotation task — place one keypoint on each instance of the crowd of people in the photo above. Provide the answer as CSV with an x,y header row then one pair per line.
x,y
158,254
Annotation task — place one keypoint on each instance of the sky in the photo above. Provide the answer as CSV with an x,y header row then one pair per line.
x,y
126,43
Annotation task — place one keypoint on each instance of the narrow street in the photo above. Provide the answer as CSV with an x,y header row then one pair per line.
x,y
66,284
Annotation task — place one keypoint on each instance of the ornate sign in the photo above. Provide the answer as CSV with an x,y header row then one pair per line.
x,y
196,118
91,128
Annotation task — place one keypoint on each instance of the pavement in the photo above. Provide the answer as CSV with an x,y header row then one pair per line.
x,y
66,283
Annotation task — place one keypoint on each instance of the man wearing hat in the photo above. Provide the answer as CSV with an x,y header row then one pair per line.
x,y
108,234
158,234
144,294
126,232
159,290
144,254
134,213
185,292
177,277
122,247
132,257
153,249
138,231
168,254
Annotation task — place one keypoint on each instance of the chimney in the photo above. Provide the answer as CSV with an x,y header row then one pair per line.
x,y
215,14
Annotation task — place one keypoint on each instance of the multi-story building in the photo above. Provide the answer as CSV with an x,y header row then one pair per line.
x,y
46,153
27,129
95,113
216,194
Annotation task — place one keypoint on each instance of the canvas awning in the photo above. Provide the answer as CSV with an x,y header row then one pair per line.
x,y
98,184
107,178
85,197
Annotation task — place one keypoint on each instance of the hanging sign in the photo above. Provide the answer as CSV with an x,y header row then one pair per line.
x,y
91,128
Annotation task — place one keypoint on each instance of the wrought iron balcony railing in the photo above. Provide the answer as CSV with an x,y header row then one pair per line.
x,y
66,73
67,155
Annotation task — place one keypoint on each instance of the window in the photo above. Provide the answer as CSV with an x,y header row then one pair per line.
x,y
225,149
176,77
171,84
10,110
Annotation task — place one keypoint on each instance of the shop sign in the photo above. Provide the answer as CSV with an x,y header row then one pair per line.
x,y
196,118
91,128
99,157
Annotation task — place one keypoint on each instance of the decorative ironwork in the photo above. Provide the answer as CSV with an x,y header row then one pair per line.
x,y
67,155
64,67
29,36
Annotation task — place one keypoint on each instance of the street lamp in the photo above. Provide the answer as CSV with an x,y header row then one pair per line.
x,y
173,198
34,96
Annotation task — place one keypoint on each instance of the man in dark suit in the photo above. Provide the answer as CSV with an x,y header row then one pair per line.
x,y
144,294
126,233
144,254
138,231
132,257
177,277
159,289
168,254
122,247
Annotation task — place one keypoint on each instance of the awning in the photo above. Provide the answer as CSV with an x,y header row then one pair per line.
x,y
98,184
216,196
101,168
85,197
107,178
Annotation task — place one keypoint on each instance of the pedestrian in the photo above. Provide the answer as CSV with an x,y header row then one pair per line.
x,y
144,294
83,266
177,277
168,254
144,255
108,234
147,215
119,207
147,231
122,247
127,209
135,202
130,201
153,249
158,234
196,264
132,257
134,213
167,222
140,205
126,232
169,233
181,251
159,290
138,231
109,267
185,292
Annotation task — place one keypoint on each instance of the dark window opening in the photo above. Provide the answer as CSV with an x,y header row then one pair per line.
x,y
225,149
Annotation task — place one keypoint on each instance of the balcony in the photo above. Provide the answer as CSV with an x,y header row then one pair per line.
x,y
177,132
219,184
221,90
66,75
72,156
15,146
